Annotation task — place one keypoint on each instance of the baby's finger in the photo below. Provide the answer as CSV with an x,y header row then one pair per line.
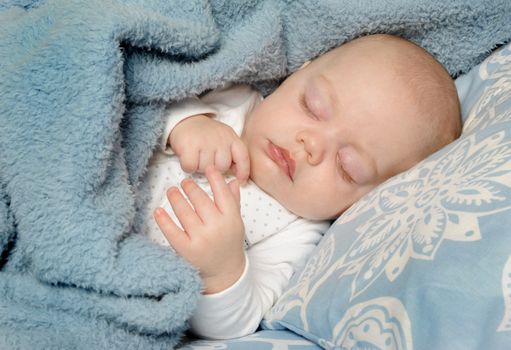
x,y
234,186
200,200
183,210
223,159
224,199
206,158
242,161
177,238
189,161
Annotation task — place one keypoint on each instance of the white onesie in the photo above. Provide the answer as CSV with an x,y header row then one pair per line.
x,y
277,241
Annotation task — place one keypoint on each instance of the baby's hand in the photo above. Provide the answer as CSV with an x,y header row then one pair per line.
x,y
213,231
200,141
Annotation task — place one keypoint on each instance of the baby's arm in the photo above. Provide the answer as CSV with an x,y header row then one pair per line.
x,y
239,288
238,310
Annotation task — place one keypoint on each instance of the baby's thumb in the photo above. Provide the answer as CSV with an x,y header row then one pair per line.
x,y
234,186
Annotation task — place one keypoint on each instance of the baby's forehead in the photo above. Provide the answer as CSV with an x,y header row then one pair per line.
x,y
385,51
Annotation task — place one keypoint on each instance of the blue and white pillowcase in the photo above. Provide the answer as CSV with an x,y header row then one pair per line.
x,y
262,340
424,260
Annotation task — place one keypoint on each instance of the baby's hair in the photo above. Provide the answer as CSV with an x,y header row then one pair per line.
x,y
434,90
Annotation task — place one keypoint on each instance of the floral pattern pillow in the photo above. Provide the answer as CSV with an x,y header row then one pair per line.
x,y
424,260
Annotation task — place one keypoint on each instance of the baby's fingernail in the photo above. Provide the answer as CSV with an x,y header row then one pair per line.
x,y
172,189
186,179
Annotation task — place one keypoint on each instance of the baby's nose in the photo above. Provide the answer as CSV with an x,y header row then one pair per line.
x,y
315,157
314,146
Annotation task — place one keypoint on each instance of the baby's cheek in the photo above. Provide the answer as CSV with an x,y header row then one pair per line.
x,y
362,191
324,205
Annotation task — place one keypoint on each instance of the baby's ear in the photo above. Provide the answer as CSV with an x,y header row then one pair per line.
x,y
305,64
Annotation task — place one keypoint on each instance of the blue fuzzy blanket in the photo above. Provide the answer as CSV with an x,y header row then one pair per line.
x,y
82,88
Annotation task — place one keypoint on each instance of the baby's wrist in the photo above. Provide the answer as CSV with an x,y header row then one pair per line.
x,y
223,281
193,118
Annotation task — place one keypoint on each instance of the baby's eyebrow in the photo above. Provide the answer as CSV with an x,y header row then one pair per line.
x,y
327,86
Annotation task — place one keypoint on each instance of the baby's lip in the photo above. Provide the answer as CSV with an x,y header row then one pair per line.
x,y
282,158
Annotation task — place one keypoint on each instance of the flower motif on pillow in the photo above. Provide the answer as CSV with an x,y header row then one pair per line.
x,y
494,105
473,177
382,322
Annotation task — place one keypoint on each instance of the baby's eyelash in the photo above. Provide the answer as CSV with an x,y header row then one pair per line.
x,y
306,108
347,176
344,174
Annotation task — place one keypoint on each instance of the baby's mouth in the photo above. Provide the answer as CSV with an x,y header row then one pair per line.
x,y
282,158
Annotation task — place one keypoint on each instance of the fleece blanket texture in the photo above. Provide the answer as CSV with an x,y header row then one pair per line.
x,y
83,87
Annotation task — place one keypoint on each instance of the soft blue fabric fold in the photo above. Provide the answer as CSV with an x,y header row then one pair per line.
x,y
83,87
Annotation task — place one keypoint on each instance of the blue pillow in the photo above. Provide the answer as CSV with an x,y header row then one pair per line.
x,y
424,260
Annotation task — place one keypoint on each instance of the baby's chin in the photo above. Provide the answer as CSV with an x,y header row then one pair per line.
x,y
320,216
315,211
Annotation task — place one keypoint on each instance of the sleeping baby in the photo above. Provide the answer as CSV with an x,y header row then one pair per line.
x,y
261,179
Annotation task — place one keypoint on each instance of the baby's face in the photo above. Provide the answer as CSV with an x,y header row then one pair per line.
x,y
332,132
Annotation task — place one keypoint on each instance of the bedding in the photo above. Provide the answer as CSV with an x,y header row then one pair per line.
x,y
424,260
262,340
83,85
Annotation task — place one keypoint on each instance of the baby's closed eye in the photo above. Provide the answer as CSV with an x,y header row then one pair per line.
x,y
354,167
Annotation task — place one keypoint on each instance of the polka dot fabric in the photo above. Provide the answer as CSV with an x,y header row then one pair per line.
x,y
262,215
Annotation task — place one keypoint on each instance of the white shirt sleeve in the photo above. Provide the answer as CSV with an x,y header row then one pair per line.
x,y
222,103
238,310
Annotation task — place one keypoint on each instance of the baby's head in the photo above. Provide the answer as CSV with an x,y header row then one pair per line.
x,y
348,121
